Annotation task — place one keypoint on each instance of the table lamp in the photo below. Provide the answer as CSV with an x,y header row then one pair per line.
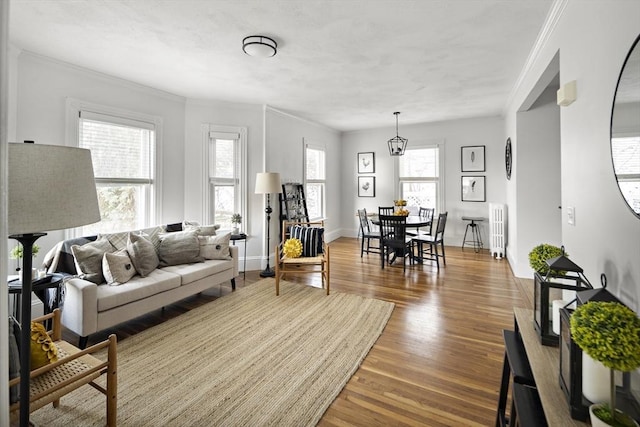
x,y
267,183
51,187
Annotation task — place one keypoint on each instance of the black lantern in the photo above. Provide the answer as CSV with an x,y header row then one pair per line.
x,y
397,144
563,274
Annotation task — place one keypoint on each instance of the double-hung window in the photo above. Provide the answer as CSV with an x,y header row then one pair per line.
x,y
225,162
123,151
625,150
419,178
315,180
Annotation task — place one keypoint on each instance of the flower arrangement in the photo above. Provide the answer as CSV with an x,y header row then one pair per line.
x,y
540,254
609,332
400,202
236,218
401,212
17,251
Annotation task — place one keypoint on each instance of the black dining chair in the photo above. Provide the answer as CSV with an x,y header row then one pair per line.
x,y
385,210
367,234
394,240
427,244
426,214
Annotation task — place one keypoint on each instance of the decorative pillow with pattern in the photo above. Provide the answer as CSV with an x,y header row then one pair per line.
x,y
43,350
215,247
311,239
180,247
143,254
117,267
203,230
88,258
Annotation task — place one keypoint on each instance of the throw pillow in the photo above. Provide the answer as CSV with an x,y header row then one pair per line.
x,y
117,267
215,247
88,258
203,230
311,238
43,350
292,248
170,228
143,254
14,359
181,247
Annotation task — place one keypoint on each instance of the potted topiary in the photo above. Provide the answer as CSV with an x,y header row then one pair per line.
x,y
236,219
541,253
609,332
17,253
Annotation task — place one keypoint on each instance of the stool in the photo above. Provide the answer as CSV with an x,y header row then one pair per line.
x,y
516,367
476,239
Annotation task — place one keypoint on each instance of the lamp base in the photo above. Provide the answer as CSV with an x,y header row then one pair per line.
x,y
267,272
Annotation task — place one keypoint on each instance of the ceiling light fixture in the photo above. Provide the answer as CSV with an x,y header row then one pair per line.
x,y
397,144
261,46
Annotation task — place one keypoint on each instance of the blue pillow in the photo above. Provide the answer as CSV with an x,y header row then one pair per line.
x,y
311,238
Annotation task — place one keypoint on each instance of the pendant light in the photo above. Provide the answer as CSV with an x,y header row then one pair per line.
x,y
397,144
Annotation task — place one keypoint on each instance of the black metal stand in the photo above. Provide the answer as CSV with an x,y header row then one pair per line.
x,y
268,272
27,241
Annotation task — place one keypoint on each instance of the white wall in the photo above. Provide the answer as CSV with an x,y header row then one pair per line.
x,y
487,131
593,39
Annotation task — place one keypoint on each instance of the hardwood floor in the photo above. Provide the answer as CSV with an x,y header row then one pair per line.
x,y
438,361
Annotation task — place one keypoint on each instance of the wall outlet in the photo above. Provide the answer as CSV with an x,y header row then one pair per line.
x,y
571,215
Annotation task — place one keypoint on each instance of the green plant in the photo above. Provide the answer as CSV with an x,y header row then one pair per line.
x,y
608,332
540,254
236,218
16,252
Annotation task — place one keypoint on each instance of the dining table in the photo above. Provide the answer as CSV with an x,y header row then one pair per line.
x,y
413,221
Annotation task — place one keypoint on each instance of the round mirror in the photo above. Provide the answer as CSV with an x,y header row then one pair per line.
x,y
625,130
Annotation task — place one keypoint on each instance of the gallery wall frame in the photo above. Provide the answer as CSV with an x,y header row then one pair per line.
x,y
473,189
367,162
366,186
472,158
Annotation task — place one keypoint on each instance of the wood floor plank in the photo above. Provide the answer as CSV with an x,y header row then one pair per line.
x,y
438,361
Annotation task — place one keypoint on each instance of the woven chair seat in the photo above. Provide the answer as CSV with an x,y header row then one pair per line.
x,y
310,260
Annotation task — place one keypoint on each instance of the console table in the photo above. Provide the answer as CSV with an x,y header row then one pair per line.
x,y
545,366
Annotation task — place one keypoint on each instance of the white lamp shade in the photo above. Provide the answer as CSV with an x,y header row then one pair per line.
x,y
51,187
268,182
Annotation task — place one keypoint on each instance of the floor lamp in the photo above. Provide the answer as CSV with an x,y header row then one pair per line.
x,y
267,183
51,187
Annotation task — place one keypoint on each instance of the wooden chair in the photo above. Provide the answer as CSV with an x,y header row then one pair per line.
x,y
394,239
385,210
426,213
367,234
431,242
73,369
304,264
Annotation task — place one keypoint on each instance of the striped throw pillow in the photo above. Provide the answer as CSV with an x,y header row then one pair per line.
x,y
311,238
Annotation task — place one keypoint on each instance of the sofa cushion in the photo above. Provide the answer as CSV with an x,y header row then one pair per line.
x,y
311,238
89,259
119,240
215,247
143,254
43,350
117,267
192,272
180,247
203,230
136,289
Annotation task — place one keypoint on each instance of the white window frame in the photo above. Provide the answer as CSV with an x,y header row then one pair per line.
x,y
211,132
305,181
74,107
440,184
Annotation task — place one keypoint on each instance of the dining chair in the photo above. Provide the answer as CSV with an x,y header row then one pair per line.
x,y
394,240
431,242
367,234
385,210
426,214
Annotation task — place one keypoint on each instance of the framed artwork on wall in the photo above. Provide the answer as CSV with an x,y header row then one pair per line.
x,y
366,186
366,162
473,189
472,158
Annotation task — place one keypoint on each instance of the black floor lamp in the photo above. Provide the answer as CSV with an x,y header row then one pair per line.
x,y
51,187
267,183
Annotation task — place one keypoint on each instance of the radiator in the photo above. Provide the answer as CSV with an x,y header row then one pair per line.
x,y
497,225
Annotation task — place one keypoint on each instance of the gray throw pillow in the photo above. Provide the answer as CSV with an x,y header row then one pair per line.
x,y
117,267
203,230
215,247
143,254
88,259
181,247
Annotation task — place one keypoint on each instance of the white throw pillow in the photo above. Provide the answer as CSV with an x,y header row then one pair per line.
x,y
215,247
117,267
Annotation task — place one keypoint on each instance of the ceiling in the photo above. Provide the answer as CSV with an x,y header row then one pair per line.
x,y
348,64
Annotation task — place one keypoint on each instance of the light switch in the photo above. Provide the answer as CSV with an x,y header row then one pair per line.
x,y
571,215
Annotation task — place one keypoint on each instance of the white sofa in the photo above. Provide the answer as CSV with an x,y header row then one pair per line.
x,y
89,307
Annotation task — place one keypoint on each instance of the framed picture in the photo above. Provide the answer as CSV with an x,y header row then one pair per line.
x,y
366,162
473,189
366,186
472,158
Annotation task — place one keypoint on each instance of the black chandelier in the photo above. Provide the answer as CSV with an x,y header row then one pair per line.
x,y
397,144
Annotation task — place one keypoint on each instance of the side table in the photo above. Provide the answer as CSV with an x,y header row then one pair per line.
x,y
242,236
39,287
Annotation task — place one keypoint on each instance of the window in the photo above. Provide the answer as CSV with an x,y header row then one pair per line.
x,y
123,149
225,166
315,181
419,178
625,151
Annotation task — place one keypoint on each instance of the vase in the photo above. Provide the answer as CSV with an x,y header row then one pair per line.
x,y
597,422
595,380
236,230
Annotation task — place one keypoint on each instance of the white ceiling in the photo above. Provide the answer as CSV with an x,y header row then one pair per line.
x,y
348,64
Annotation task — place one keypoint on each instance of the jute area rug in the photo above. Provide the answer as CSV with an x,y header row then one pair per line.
x,y
246,359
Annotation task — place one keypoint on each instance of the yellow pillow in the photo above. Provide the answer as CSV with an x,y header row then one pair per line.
x,y
43,350
293,248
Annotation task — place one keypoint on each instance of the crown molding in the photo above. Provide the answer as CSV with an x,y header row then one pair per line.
x,y
302,119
